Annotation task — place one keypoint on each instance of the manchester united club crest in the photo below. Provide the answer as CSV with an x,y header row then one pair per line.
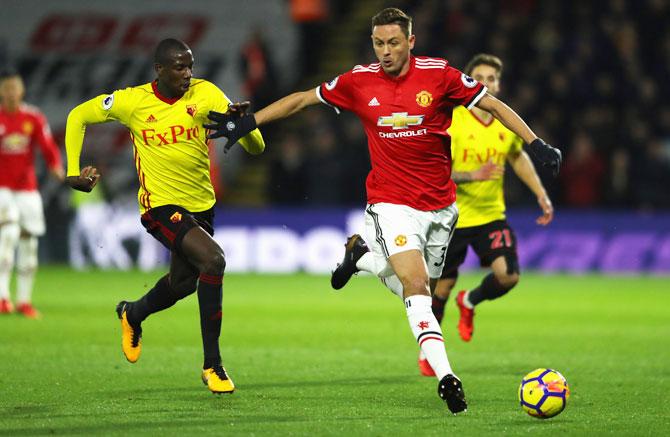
x,y
424,98
400,240
191,109
27,127
423,325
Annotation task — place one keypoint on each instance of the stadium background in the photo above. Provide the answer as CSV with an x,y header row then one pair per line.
x,y
589,77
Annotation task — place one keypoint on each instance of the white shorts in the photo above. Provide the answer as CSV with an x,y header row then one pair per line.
x,y
23,208
392,229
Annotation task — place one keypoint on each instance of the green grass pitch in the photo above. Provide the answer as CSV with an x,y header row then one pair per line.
x,y
310,361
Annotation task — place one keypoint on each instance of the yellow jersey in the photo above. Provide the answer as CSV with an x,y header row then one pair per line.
x,y
474,143
170,145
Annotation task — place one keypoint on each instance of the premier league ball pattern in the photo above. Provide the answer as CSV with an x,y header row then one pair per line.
x,y
543,393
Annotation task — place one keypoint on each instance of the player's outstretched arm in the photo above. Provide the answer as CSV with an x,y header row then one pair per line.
x,y
524,168
286,106
549,156
233,125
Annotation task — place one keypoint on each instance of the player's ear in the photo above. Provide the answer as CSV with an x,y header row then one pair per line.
x,y
158,68
412,40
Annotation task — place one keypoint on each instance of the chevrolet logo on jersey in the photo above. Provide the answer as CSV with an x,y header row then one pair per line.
x,y
400,120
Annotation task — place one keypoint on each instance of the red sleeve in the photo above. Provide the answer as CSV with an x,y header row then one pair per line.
x,y
42,136
339,92
461,89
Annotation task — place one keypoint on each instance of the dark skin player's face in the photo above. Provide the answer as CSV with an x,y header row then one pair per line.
x,y
174,77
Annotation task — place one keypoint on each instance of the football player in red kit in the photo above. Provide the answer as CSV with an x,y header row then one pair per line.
x,y
405,104
23,130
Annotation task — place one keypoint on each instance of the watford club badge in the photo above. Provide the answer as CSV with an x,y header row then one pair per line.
x,y
176,217
400,240
191,110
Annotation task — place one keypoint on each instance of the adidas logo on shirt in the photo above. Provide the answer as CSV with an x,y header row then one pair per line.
x,y
374,102
151,119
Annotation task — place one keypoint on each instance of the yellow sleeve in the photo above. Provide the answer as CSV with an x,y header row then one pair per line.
x,y
252,142
100,109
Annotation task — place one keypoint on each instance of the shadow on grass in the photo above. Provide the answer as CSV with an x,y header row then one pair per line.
x,y
144,410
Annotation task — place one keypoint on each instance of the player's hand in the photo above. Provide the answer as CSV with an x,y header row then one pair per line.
x,y
550,157
547,210
230,125
86,180
239,108
487,171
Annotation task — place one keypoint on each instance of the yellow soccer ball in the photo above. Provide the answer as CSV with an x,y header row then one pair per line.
x,y
543,393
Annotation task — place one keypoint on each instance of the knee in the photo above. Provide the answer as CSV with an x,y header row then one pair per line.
x,y
9,239
26,255
415,286
507,280
215,263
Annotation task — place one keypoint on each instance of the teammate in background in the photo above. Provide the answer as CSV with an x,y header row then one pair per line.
x,y
176,197
23,128
405,104
480,145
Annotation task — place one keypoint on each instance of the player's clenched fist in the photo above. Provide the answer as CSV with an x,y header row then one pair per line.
x,y
549,156
85,181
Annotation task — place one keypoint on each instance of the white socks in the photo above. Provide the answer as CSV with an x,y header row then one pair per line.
x,y
26,266
9,236
428,333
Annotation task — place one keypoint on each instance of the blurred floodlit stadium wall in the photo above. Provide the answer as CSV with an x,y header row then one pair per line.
x,y
72,50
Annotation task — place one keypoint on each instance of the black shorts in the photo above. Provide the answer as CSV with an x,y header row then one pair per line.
x,y
489,241
169,223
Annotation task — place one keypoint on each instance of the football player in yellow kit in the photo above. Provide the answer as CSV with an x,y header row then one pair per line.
x,y
176,198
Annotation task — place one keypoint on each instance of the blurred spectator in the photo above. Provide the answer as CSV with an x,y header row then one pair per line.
x,y
583,173
310,16
617,192
355,163
288,173
325,167
257,69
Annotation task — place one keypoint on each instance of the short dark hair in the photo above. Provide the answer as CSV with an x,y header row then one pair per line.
x,y
166,47
393,16
484,59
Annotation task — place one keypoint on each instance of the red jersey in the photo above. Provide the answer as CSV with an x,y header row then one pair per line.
x,y
406,120
20,133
